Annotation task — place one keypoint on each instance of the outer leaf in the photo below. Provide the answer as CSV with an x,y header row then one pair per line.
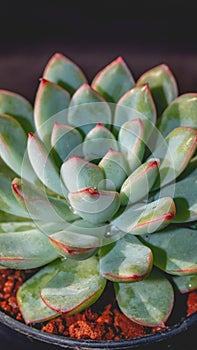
x,y
181,112
126,260
98,142
65,139
7,201
174,250
175,153
7,217
43,164
62,71
40,206
131,142
30,303
185,198
115,168
114,80
51,105
79,239
136,103
190,170
18,107
162,85
74,243
25,249
186,284
95,206
10,227
147,218
87,108
78,174
139,183
76,286
148,302
13,142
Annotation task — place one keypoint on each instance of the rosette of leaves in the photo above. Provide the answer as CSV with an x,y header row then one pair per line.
x,y
98,182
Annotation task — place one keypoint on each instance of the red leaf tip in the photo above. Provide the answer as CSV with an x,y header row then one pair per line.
x,y
59,55
31,134
16,189
90,190
119,60
153,164
169,216
44,81
146,86
112,150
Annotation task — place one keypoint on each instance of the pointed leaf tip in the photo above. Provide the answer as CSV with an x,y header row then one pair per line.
x,y
62,71
16,189
113,80
119,59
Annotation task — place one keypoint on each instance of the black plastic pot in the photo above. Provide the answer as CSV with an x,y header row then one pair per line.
x,y
16,335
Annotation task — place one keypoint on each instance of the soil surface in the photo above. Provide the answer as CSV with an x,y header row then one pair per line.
x,y
101,321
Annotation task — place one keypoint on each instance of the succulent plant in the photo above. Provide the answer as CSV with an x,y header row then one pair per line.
x,y
98,182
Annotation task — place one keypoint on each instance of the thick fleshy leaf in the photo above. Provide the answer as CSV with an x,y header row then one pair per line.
x,y
175,153
65,139
174,250
181,112
40,206
77,285
31,305
7,217
126,260
18,107
77,242
78,173
80,239
51,105
162,85
146,218
93,205
114,80
62,71
87,108
139,183
184,194
25,249
136,103
98,142
186,284
8,202
13,143
43,164
148,302
16,226
190,170
115,168
131,142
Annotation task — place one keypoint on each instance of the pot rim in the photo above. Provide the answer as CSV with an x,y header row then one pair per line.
x,y
65,342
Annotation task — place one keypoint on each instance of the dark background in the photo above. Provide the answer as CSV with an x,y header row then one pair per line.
x,y
169,24
145,33
93,33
